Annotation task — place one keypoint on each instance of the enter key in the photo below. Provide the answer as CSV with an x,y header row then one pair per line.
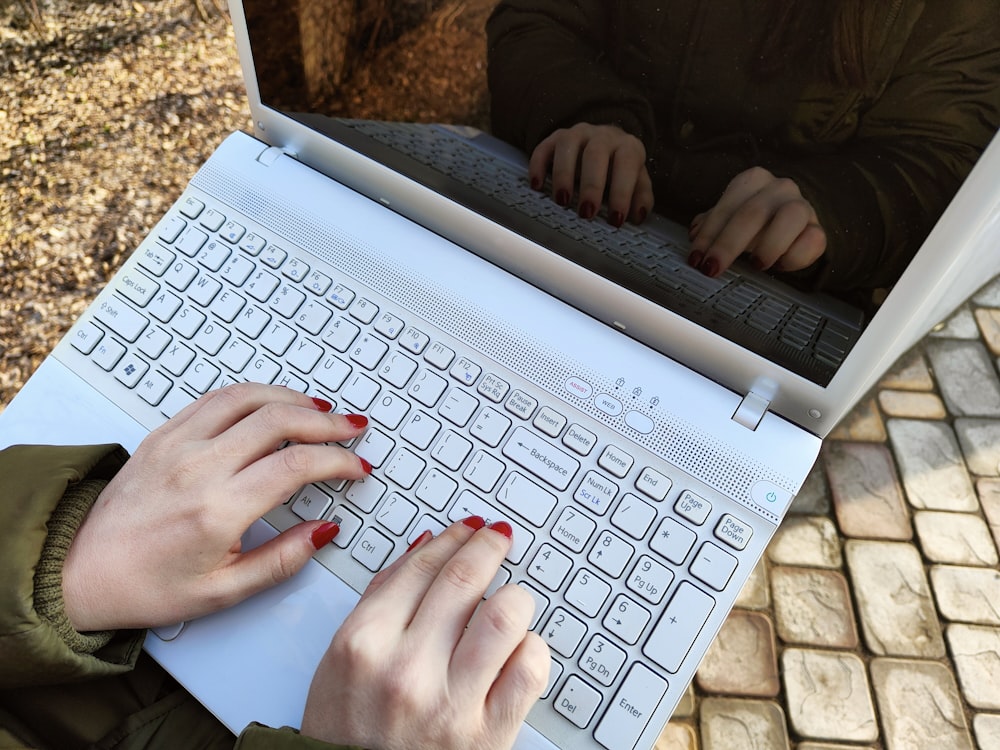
x,y
629,712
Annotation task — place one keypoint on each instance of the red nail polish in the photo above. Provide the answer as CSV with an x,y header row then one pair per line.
x,y
474,522
504,528
536,184
757,263
642,215
710,267
419,540
323,405
324,534
587,210
695,258
366,465
562,198
358,421
616,219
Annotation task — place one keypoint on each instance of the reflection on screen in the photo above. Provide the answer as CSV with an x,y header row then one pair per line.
x,y
351,75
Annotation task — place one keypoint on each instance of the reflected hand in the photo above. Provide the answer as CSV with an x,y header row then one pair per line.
x,y
162,542
608,159
417,665
759,214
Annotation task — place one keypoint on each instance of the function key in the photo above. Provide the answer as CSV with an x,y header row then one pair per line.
x,y
389,325
439,355
465,371
364,310
295,269
341,297
273,256
414,341
318,283
233,232
191,207
212,220
692,507
252,244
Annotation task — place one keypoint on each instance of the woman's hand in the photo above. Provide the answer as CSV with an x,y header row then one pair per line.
x,y
417,665
162,543
599,158
759,214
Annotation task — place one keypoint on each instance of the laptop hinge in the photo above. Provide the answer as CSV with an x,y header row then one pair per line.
x,y
751,410
269,155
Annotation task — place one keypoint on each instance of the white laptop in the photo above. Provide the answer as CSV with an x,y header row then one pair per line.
x,y
643,460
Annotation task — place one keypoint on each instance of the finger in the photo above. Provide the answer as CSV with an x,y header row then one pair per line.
x,y
460,586
565,162
540,162
642,199
806,250
494,632
740,189
521,682
379,578
782,229
627,168
594,165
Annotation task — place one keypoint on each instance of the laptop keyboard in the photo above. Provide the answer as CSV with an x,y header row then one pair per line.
x,y
625,558
737,305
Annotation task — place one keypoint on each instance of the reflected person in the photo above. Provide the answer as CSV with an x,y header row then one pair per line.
x,y
821,140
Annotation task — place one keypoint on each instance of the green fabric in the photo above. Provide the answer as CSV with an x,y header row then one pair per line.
x,y
878,163
63,690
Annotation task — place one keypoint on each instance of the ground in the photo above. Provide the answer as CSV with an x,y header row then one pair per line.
x,y
106,111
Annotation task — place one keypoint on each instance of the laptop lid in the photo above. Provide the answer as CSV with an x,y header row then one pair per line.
x,y
954,259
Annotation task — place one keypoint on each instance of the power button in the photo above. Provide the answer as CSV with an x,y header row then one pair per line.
x,y
771,497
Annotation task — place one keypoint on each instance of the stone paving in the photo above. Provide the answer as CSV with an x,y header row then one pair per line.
x,y
873,621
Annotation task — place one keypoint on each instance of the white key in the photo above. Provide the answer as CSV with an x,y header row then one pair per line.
x,y
451,450
397,369
629,712
587,593
368,350
153,387
389,325
633,516
174,401
493,388
470,505
626,619
350,524
304,355
577,701
164,306
176,358
296,269
596,492
332,373
550,567
252,321
427,388
191,241
232,232
436,489
579,440
277,338
484,471
211,338
228,305
733,532
252,244
201,375
341,334
313,316
611,554
650,580
693,507
365,493
262,370
465,371
389,410
563,632
261,285
602,660
204,290
87,335
439,355
616,461
138,287
490,427
121,318
360,391
526,498
155,259
180,274
130,370
653,484
673,540
212,255
549,421
420,430
372,549
426,523
404,468
713,566
292,381
375,447
311,503
286,300
544,460
341,297
364,310
521,404
187,321
396,513
318,283
414,341
237,270
669,642
458,407
153,342
573,529
236,355
274,256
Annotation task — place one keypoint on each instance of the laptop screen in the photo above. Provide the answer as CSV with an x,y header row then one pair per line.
x,y
378,77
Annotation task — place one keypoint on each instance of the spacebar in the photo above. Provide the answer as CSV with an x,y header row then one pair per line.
x,y
629,712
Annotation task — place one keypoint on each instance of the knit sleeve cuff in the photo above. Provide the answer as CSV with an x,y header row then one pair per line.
x,y
63,524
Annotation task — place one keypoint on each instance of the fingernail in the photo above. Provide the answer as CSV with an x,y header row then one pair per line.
x,y
616,219
587,210
757,263
536,183
323,405
642,215
419,540
562,197
474,522
358,421
695,258
710,267
324,534
366,465
504,528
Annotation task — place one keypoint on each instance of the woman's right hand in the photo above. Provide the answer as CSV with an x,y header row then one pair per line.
x,y
424,662
596,160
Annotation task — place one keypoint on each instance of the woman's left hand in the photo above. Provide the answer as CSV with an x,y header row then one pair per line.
x,y
762,215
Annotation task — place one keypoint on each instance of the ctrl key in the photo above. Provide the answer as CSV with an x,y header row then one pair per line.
x,y
629,712
578,701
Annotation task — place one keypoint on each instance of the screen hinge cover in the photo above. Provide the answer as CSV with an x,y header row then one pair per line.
x,y
269,155
751,410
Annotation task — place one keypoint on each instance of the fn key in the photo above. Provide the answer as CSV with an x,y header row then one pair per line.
x,y
629,712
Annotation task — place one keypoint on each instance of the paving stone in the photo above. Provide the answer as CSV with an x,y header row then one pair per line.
x,y
866,492
980,441
742,660
975,649
863,423
828,746
733,724
755,594
813,607
961,325
828,695
814,497
931,465
989,295
811,541
956,538
989,498
920,706
987,729
911,405
910,373
893,598
685,709
966,377
969,595
988,320
677,735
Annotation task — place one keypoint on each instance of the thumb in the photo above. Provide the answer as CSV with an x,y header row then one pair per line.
x,y
280,558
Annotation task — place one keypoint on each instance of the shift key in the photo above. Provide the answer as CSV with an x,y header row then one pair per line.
x,y
629,712
121,318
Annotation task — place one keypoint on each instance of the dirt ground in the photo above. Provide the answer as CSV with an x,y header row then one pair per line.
x,y
106,111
